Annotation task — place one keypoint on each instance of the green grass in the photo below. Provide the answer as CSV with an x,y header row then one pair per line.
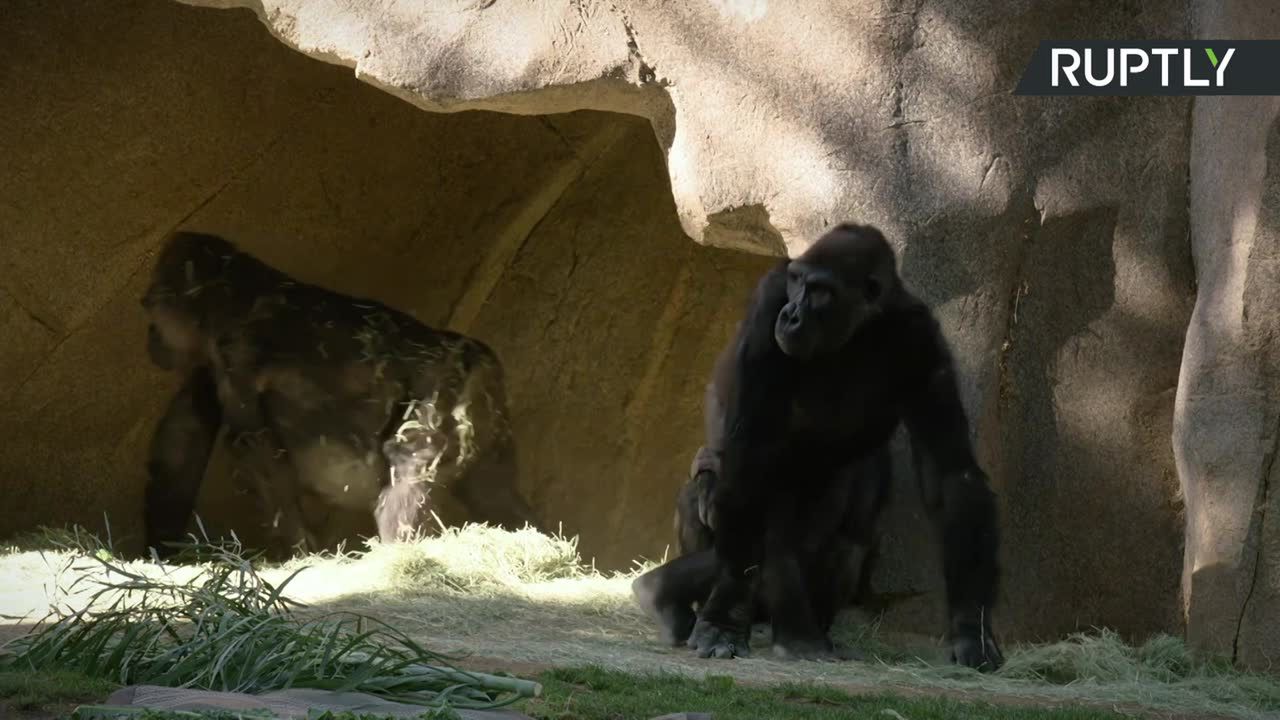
x,y
589,694
89,712
599,694
27,690
48,693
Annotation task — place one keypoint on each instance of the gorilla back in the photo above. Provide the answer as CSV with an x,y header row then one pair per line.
x,y
331,403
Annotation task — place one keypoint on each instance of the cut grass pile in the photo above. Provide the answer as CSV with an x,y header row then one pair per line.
x,y
221,626
472,560
1099,667
527,597
1158,670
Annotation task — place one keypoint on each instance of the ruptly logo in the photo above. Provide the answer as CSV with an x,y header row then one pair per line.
x,y
1205,67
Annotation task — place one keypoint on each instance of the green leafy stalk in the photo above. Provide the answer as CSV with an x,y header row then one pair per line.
x,y
228,629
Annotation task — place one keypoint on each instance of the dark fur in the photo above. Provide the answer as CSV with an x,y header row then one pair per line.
x,y
836,553
331,402
837,550
832,356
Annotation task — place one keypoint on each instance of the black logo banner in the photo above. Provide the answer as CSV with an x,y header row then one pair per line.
x,y
1193,67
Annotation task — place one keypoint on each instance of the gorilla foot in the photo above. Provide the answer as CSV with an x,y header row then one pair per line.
x,y
675,622
978,651
714,641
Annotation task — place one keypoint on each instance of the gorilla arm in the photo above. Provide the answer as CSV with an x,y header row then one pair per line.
x,y
180,450
956,495
756,420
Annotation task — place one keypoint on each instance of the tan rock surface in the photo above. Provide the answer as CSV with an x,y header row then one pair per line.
x,y
1051,234
1227,419
553,238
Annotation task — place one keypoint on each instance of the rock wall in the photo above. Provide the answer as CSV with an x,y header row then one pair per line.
x,y
1226,423
553,238
1050,233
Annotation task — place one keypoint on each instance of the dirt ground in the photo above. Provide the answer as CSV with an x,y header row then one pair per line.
x,y
514,603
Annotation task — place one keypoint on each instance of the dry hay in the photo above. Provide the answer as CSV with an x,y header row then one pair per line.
x,y
527,597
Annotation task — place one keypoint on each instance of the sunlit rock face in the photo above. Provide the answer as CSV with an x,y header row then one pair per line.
x,y
1051,234
1227,419
551,237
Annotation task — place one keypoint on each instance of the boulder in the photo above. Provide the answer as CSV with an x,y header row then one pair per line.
x,y
1049,233
1227,420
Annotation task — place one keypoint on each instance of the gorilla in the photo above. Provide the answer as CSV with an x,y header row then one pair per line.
x,y
839,547
831,357
331,405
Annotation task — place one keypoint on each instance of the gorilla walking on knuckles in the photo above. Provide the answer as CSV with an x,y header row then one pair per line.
x,y
832,356
331,403
837,548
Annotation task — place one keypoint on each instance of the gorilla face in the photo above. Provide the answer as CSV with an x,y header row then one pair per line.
x,y
833,289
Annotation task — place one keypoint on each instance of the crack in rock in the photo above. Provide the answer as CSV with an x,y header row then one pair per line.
x,y
644,71
1257,530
